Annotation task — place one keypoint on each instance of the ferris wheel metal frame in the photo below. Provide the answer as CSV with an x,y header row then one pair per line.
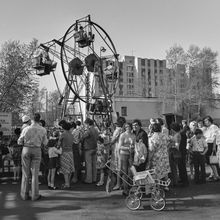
x,y
87,67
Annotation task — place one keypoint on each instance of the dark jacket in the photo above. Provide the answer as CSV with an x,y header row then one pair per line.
x,y
90,139
141,134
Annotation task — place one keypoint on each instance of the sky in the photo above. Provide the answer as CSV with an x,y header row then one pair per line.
x,y
143,28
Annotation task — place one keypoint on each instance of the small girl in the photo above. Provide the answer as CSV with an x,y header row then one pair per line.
x,y
16,153
53,153
102,156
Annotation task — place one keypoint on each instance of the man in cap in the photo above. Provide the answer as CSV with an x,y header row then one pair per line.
x,y
26,121
32,138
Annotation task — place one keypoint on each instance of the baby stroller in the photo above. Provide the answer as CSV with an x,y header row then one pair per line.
x,y
144,182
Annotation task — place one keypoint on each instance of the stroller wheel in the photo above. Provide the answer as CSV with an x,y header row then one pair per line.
x,y
159,191
157,202
133,202
136,191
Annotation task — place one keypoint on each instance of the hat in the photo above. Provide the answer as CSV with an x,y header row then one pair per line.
x,y
25,118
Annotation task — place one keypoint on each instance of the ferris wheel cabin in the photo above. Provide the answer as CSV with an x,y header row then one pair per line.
x,y
43,65
83,38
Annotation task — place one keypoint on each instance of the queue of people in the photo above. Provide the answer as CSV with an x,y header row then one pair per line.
x,y
127,146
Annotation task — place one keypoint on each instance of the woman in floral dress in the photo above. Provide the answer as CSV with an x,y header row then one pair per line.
x,y
159,158
113,182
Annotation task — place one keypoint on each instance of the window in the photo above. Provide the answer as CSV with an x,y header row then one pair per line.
x,y
129,74
123,111
130,68
142,62
161,63
130,80
148,63
155,62
149,92
149,76
121,92
130,87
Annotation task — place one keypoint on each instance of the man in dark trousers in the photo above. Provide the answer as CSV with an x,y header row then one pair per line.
x,y
182,161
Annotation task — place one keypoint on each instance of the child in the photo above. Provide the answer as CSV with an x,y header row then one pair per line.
x,y
102,156
198,147
16,153
53,156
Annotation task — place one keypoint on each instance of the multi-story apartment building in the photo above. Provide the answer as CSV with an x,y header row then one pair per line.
x,y
148,79
141,77
127,78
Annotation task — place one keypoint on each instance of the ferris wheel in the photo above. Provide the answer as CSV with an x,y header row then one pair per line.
x,y
90,67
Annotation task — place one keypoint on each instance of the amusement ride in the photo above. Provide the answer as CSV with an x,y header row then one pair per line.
x,y
90,66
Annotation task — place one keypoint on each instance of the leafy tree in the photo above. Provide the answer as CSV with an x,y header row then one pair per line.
x,y
201,68
17,80
175,55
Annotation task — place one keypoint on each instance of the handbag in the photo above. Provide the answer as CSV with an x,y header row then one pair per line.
x,y
140,153
213,159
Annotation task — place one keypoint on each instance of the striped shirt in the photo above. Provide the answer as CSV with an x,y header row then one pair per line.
x,y
33,136
77,135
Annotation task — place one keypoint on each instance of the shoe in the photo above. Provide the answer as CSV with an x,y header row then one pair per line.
x,y
38,198
53,187
65,187
116,187
210,178
74,180
86,182
100,184
26,198
49,187
216,179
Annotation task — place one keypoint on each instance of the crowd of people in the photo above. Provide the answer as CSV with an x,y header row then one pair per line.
x,y
126,147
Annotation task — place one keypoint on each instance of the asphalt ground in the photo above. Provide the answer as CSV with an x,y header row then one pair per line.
x,y
85,201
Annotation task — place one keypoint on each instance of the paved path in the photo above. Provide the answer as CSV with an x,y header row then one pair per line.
x,y
90,202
